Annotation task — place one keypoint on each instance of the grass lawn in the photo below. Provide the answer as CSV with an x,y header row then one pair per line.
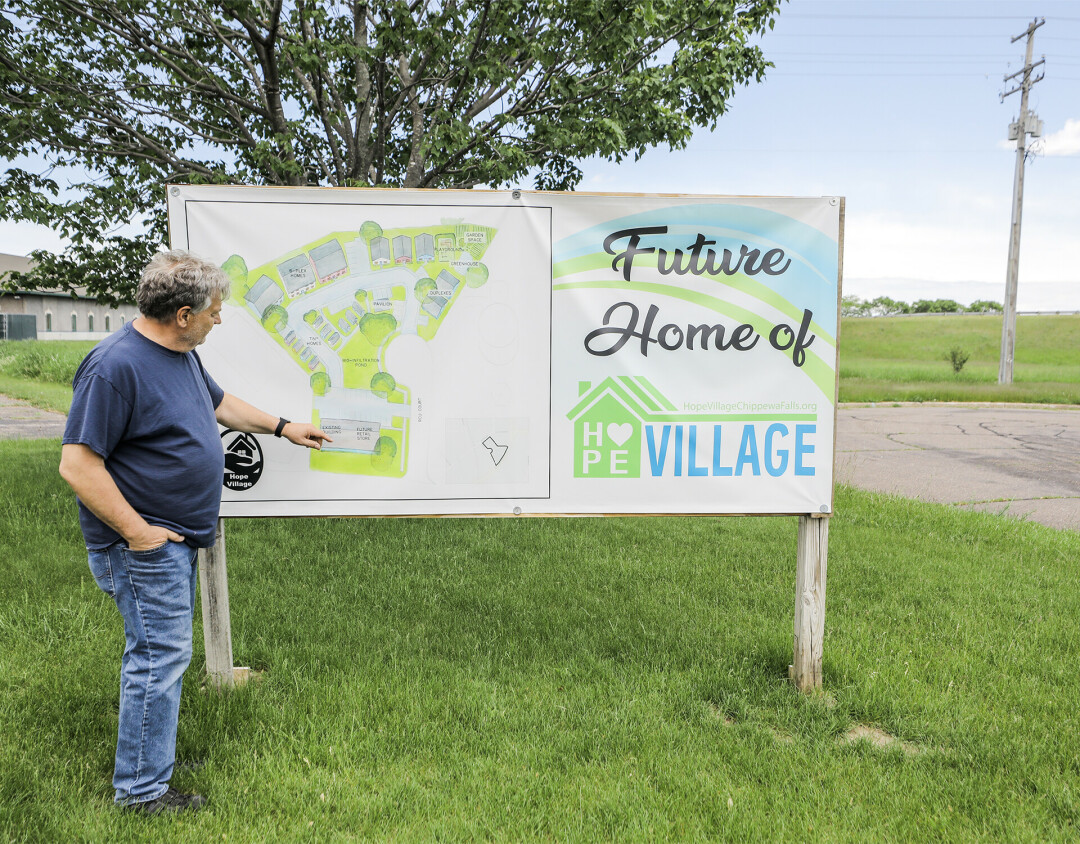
x,y
575,680
906,359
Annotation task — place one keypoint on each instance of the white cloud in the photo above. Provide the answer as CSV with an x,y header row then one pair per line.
x,y
1063,142
879,244
947,247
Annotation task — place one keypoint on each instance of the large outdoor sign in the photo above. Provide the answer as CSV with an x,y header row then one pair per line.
x,y
524,353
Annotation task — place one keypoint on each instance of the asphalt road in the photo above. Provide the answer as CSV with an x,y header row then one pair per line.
x,y
20,421
1018,460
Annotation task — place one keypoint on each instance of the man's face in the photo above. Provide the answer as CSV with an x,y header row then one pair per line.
x,y
197,325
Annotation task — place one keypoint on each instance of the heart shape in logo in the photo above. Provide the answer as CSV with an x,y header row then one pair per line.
x,y
619,434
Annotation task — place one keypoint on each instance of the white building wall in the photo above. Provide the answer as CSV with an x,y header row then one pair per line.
x,y
61,308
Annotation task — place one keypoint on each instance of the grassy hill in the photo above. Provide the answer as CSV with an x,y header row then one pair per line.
x,y
906,359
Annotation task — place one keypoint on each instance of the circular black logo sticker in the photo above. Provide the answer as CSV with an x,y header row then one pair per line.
x,y
243,459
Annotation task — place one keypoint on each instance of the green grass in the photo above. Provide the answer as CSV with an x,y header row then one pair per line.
x,y
56,397
906,359
576,680
40,372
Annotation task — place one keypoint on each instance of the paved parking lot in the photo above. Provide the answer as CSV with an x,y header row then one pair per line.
x,y
1020,460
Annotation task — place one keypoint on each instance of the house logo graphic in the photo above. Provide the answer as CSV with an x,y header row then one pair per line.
x,y
243,459
608,423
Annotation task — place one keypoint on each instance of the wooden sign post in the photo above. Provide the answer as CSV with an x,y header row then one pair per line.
x,y
217,627
805,669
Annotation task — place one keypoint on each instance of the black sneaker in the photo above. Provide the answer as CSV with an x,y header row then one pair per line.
x,y
171,801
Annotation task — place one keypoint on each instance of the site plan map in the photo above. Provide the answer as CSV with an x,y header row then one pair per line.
x,y
415,337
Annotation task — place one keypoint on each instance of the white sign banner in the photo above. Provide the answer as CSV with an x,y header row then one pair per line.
x,y
486,352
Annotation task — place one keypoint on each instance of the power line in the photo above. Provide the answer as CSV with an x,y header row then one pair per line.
x,y
852,58
789,60
988,56
791,72
861,35
827,16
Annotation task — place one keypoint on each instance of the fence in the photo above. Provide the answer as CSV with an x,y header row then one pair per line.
x,y
18,327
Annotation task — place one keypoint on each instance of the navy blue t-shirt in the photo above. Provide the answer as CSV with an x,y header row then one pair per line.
x,y
149,412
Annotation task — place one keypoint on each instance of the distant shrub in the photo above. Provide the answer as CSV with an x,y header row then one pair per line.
x,y
884,306
957,357
853,306
937,306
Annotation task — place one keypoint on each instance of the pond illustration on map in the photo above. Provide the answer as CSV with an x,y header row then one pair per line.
x,y
336,304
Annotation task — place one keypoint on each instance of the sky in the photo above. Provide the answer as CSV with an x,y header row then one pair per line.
x,y
897,107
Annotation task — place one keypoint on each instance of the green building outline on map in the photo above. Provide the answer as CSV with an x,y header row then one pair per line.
x,y
336,304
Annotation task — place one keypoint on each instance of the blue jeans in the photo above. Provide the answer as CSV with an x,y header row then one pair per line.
x,y
155,593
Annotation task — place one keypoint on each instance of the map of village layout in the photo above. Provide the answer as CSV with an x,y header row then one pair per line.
x,y
336,304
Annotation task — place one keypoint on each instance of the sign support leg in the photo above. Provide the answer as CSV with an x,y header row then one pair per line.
x,y
217,628
805,670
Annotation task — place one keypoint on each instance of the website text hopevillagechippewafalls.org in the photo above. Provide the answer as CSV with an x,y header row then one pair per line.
x,y
750,406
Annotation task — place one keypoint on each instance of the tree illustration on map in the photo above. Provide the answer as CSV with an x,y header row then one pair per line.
x,y
335,305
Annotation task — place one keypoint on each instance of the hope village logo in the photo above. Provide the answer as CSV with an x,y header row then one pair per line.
x,y
625,428
243,459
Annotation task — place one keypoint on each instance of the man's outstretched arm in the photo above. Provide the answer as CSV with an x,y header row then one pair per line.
x,y
240,416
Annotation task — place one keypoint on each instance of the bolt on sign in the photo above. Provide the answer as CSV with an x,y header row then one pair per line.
x,y
487,352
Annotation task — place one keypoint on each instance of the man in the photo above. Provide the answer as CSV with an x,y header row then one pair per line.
x,y
143,453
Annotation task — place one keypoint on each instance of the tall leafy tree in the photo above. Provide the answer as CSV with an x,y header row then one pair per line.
x,y
104,102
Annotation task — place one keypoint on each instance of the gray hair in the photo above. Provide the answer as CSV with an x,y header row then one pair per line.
x,y
176,279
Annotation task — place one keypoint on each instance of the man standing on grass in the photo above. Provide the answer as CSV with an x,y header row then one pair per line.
x,y
143,454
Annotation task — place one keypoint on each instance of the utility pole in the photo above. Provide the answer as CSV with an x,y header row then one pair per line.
x,y
1028,124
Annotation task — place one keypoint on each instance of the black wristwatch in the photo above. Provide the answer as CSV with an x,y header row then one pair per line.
x,y
282,422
